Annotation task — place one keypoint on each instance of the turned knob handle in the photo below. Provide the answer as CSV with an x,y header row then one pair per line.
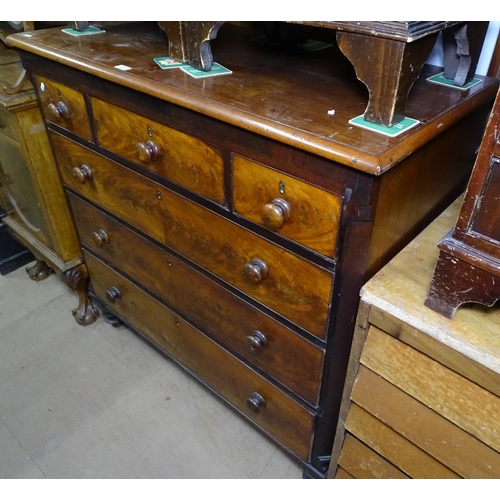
x,y
256,271
255,402
113,293
82,174
147,152
58,111
276,213
100,237
256,341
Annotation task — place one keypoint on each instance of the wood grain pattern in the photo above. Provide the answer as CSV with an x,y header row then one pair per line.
x,y
395,448
343,474
295,288
286,420
440,352
51,92
470,458
288,357
183,159
314,215
256,97
446,392
363,463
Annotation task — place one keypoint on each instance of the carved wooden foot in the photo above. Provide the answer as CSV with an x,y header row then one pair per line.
x,y
39,270
189,41
456,282
77,279
388,68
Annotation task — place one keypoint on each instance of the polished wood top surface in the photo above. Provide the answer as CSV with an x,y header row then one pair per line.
x,y
283,93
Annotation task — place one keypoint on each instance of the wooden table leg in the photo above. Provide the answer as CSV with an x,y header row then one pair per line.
x,y
189,41
388,68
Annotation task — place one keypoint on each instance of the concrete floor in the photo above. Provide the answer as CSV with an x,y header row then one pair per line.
x,y
98,402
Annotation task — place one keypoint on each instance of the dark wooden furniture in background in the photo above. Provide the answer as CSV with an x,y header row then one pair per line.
x,y
231,221
37,209
422,392
468,267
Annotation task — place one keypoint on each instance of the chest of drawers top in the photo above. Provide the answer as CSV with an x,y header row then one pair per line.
x,y
304,99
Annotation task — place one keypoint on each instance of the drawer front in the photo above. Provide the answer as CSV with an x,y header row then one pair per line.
x,y
299,211
63,106
287,357
7,125
278,415
292,286
161,149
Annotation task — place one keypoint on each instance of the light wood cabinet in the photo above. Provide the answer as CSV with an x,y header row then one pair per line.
x,y
37,210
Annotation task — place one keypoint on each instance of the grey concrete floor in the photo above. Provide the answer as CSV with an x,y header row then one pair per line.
x,y
99,402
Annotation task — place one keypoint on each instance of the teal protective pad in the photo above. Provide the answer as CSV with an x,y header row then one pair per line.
x,y
216,70
91,30
441,80
168,62
398,128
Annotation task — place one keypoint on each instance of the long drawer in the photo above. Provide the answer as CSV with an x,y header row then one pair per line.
x,y
291,286
282,354
276,413
179,157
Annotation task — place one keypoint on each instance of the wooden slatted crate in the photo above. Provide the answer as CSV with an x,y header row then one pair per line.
x,y
422,395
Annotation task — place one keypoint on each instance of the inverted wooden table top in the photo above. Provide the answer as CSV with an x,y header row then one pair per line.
x,y
301,98
400,288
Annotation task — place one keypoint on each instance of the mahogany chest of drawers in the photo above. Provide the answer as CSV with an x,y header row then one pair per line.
x,y
232,220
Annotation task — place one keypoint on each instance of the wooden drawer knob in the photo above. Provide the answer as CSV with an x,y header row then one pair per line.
x,y
255,271
58,111
113,293
100,237
256,402
256,341
276,213
147,152
82,174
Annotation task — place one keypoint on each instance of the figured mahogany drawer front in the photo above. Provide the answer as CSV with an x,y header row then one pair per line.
x,y
287,357
273,411
63,106
161,149
6,125
297,210
290,285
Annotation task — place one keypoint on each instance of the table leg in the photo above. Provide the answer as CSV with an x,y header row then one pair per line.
x,y
189,41
388,68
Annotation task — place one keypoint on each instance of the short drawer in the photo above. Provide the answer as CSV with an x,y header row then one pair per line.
x,y
292,286
63,106
6,125
176,156
299,211
282,354
277,414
